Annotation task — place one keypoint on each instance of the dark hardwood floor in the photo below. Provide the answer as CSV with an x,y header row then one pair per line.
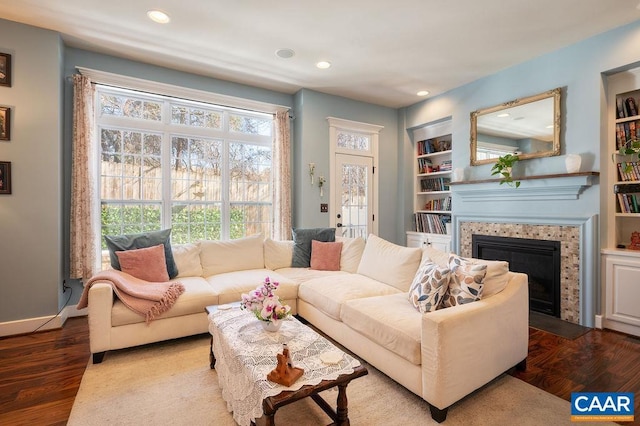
x,y
40,373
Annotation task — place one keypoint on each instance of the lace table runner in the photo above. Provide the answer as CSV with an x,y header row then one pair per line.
x,y
245,354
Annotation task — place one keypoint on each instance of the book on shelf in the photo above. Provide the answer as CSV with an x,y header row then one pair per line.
x,y
628,203
620,110
425,147
434,184
431,223
630,188
630,105
425,165
629,171
441,204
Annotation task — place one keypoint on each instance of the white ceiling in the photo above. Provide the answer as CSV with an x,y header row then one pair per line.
x,y
381,52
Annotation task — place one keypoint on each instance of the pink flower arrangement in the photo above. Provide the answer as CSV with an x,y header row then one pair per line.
x,y
265,305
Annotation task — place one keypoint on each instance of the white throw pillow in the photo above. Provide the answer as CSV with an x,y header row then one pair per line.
x,y
187,258
389,263
429,286
497,275
277,254
352,249
242,254
438,256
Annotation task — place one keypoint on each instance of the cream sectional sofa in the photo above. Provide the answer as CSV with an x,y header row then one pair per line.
x,y
440,356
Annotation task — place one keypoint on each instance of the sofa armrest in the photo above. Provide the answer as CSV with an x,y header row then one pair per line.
x,y
466,346
100,304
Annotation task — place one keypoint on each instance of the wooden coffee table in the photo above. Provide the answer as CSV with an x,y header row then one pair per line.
x,y
271,404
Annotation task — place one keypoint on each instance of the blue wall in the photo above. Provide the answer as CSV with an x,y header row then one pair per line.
x,y
311,145
31,216
578,70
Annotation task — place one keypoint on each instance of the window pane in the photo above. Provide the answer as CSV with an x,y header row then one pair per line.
x,y
196,117
196,169
119,218
250,172
353,141
124,106
250,125
195,222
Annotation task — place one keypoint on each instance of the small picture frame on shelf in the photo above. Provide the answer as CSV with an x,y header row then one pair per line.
x,y
5,124
5,69
5,177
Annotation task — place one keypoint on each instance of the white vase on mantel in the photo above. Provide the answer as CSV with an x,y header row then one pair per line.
x,y
573,163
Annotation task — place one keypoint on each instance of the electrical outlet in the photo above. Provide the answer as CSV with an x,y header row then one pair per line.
x,y
324,208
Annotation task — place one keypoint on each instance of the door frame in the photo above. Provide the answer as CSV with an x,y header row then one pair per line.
x,y
373,130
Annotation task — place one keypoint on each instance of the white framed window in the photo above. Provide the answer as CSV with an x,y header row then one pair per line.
x,y
202,169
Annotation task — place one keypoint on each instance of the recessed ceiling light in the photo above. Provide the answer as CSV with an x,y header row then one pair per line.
x,y
323,65
285,53
158,16
504,114
423,93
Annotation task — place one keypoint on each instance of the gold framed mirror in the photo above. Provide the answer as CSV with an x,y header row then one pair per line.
x,y
529,127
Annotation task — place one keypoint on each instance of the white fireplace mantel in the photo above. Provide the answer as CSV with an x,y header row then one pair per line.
x,y
567,186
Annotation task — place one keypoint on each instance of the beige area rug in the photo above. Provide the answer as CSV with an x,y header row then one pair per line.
x,y
170,383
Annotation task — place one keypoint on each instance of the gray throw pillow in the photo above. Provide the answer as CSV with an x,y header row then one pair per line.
x,y
302,244
137,241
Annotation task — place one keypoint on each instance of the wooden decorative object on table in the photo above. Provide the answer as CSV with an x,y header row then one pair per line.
x,y
635,241
284,373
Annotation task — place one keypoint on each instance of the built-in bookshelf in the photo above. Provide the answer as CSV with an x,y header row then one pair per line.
x,y
625,188
432,201
621,207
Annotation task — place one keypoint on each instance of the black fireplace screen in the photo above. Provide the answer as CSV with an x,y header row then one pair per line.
x,y
539,259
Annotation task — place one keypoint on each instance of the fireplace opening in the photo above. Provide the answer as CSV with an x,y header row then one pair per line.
x,y
539,259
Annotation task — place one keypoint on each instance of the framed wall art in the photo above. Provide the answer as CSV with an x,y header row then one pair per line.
x,y
5,124
5,69
5,177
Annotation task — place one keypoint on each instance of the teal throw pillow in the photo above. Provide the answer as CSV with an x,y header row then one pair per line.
x,y
137,241
302,243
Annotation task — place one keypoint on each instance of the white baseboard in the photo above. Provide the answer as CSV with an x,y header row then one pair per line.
x,y
598,321
29,325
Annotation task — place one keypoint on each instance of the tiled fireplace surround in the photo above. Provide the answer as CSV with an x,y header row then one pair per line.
x,y
576,235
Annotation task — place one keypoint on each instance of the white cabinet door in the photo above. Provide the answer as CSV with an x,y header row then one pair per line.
x,y
437,241
622,305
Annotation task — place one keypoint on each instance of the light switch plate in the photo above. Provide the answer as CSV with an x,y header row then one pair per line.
x,y
324,208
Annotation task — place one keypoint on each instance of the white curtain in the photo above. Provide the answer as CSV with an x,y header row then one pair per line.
x,y
83,263
281,177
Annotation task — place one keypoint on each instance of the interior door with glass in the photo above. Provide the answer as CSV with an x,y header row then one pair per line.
x,y
353,196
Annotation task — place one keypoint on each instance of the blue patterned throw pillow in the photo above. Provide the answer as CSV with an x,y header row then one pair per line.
x,y
429,286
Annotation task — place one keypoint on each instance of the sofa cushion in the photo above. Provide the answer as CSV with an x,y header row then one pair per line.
x,y
466,282
325,256
496,278
221,256
143,240
437,256
198,294
429,286
351,255
277,254
230,285
146,263
300,275
187,258
388,321
302,243
389,263
328,294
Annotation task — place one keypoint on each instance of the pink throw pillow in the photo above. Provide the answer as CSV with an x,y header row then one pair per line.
x,y
325,256
147,264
